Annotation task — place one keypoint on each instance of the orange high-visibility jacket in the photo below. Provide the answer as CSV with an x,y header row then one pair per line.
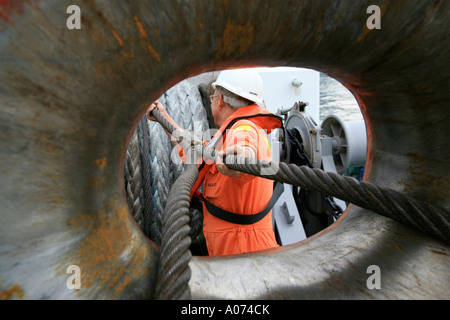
x,y
243,195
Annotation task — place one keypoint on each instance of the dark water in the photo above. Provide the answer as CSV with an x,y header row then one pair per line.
x,y
338,100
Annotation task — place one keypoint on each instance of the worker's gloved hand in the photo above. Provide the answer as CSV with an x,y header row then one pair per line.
x,y
160,108
239,151
165,115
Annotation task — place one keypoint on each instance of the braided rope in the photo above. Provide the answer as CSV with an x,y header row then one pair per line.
x,y
149,173
198,124
160,173
173,270
133,177
144,145
176,106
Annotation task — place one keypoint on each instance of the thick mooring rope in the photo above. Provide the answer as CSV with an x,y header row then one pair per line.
x,y
133,178
144,138
173,267
157,161
174,271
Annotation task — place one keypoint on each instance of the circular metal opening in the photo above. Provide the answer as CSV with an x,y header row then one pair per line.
x,y
67,109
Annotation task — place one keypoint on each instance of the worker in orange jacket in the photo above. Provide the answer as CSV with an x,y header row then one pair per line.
x,y
237,213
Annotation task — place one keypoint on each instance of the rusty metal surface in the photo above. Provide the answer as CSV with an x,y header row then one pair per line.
x,y
70,99
332,265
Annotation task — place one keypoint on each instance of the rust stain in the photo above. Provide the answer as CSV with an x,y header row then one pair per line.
x,y
95,182
101,163
14,291
98,180
200,25
142,32
143,36
154,54
127,54
199,15
9,8
156,32
118,38
236,38
437,187
364,34
104,253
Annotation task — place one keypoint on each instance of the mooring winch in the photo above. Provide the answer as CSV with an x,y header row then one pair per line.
x,y
334,146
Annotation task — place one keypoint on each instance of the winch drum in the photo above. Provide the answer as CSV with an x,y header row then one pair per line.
x,y
349,142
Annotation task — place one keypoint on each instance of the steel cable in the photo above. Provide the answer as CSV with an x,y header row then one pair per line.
x,y
428,219
173,267
133,177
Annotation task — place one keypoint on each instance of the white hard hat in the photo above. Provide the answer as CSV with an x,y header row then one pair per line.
x,y
245,83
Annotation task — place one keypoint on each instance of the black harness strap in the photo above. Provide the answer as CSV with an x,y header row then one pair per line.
x,y
241,218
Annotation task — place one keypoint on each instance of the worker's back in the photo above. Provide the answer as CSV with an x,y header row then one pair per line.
x,y
245,195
